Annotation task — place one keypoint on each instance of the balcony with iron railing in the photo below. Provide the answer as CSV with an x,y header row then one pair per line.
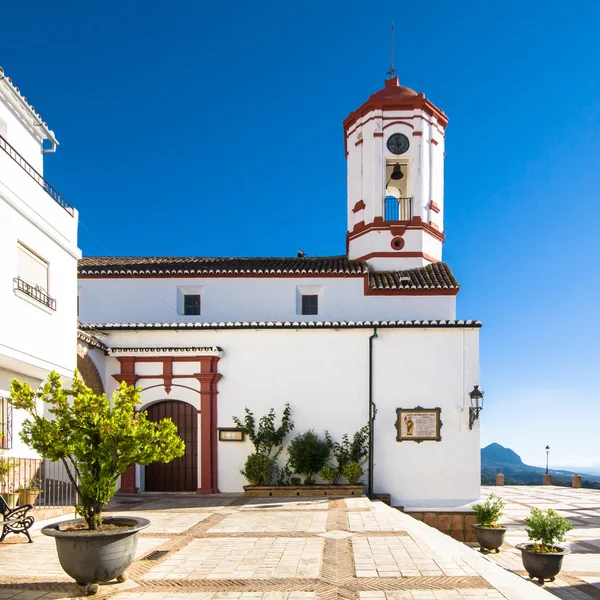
x,y
397,209
34,292
17,159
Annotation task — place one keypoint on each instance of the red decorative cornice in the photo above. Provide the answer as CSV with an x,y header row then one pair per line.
x,y
434,207
360,205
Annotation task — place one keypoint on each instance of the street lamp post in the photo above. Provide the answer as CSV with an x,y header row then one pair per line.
x,y
547,454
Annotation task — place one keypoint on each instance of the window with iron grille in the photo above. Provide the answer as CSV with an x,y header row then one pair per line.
x,y
191,304
310,304
5,424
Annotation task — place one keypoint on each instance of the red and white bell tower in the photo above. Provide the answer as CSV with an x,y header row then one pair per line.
x,y
395,153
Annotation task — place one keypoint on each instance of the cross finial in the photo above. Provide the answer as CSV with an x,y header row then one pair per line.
x,y
392,71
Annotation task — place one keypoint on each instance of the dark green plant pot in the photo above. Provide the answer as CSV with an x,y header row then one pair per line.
x,y
489,538
97,557
542,565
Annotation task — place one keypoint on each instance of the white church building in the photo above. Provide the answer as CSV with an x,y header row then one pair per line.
x,y
331,336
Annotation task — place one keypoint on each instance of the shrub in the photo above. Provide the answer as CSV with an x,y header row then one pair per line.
x,y
489,512
258,469
355,451
545,530
265,436
295,480
94,437
352,471
328,474
308,454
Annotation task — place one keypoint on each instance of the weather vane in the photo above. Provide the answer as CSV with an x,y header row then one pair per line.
x,y
392,70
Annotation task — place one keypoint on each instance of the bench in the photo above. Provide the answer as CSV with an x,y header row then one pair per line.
x,y
15,520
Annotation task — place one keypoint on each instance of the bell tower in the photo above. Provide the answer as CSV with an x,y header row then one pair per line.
x,y
395,160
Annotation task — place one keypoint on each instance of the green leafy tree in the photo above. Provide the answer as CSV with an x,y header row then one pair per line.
x,y
347,451
308,454
94,438
546,529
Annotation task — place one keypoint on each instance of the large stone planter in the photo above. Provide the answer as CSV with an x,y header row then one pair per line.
x,y
489,538
285,491
97,557
542,565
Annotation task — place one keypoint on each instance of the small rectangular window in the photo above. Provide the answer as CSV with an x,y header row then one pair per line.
x,y
310,304
5,424
191,304
31,268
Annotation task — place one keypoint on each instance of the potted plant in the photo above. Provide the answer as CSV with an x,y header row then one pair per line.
x,y
28,493
543,559
96,439
490,535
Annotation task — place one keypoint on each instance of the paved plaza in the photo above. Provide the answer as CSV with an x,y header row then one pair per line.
x,y
232,547
580,577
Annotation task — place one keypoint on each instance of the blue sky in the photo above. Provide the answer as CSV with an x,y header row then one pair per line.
x,y
181,122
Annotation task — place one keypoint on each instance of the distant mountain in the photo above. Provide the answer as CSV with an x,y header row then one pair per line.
x,y
498,459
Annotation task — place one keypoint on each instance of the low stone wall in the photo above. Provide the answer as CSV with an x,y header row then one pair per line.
x,y
282,491
456,524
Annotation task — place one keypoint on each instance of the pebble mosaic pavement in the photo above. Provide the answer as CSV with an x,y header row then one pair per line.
x,y
231,547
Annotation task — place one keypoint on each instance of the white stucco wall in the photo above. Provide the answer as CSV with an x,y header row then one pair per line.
x,y
33,338
248,299
324,377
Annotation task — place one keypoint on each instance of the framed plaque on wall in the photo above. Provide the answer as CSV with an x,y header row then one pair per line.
x,y
418,424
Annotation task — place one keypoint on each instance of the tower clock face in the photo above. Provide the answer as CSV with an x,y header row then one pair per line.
x,y
398,143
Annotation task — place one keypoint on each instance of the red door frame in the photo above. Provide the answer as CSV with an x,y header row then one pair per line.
x,y
207,377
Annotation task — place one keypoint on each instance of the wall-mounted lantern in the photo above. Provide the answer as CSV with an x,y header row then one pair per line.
x,y
476,405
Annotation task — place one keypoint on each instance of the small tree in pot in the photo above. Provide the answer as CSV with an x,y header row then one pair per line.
x,y
96,440
543,559
490,535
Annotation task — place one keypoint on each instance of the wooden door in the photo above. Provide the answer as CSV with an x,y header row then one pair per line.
x,y
181,474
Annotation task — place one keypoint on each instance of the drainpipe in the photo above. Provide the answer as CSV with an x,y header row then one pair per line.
x,y
371,413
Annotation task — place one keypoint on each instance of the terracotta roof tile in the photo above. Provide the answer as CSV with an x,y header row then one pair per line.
x,y
299,325
434,276
145,265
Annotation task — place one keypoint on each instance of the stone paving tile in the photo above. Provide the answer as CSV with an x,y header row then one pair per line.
x,y
243,558
395,556
432,595
41,559
373,521
214,596
286,504
250,522
165,522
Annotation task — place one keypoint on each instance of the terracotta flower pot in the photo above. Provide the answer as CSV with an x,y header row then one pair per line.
x,y
11,498
28,496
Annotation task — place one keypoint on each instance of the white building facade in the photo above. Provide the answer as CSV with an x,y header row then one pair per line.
x,y
331,336
38,270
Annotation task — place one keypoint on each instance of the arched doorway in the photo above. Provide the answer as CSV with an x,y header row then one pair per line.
x,y
181,474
